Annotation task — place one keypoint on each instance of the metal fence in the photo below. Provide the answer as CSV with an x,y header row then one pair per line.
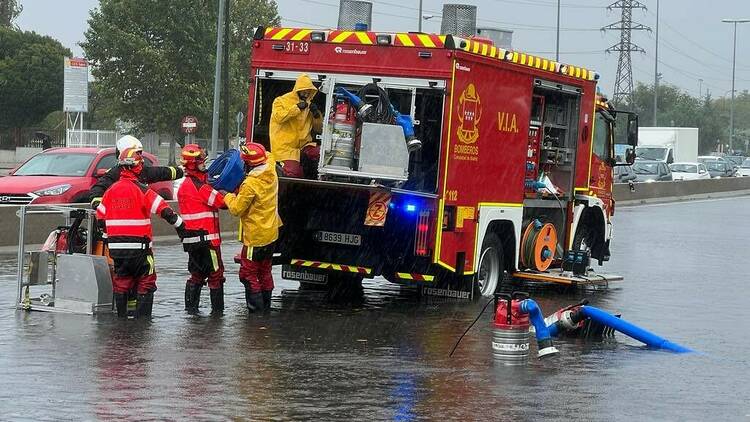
x,y
91,138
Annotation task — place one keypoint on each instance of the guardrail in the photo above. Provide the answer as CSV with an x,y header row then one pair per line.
x,y
38,227
91,138
644,193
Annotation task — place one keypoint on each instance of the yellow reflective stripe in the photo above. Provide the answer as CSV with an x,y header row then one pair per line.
x,y
281,34
249,254
301,34
405,40
341,37
485,47
150,260
426,40
214,260
174,172
493,51
476,47
363,38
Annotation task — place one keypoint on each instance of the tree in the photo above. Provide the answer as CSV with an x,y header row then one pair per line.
x,y
154,59
9,10
31,77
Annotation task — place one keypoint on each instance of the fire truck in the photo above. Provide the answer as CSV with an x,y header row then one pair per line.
x,y
513,180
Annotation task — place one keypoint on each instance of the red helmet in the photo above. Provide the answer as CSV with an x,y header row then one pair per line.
x,y
253,154
130,156
193,157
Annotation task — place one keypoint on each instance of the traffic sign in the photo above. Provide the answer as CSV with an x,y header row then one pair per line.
x,y
189,125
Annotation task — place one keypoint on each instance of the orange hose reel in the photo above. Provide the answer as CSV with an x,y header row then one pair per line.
x,y
538,245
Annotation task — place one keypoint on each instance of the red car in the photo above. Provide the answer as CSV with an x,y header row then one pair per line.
x,y
63,176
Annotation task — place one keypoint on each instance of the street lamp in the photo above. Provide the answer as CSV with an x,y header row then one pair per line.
x,y
734,57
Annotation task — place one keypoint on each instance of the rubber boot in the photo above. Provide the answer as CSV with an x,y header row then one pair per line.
x,y
192,297
132,302
254,301
267,300
121,304
145,304
217,301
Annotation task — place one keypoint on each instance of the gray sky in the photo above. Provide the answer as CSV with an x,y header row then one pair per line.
x,y
693,43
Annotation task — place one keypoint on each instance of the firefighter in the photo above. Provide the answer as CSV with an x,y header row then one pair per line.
x,y
256,204
293,116
199,207
126,208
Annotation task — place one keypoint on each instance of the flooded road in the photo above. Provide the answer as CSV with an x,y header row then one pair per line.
x,y
686,279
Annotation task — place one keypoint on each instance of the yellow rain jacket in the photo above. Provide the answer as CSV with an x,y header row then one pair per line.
x,y
256,204
290,127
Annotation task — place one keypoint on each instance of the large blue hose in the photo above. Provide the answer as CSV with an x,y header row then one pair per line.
x,y
543,337
631,330
569,320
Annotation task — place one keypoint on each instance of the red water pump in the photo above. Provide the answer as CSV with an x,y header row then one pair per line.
x,y
510,337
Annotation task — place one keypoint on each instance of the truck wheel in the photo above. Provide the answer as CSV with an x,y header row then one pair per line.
x,y
491,265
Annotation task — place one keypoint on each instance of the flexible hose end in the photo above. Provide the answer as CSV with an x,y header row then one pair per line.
x,y
546,349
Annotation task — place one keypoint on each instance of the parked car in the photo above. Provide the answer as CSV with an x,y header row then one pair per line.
x,y
744,169
651,171
718,171
624,174
64,175
689,171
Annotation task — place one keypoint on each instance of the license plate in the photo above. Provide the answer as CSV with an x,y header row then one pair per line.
x,y
297,47
338,238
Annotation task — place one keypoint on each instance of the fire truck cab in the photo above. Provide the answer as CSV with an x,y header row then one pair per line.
x,y
513,179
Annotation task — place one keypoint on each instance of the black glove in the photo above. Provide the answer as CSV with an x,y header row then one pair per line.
x,y
302,105
314,110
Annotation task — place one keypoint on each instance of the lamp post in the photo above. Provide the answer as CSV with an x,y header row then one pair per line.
x,y
557,44
656,66
419,28
734,57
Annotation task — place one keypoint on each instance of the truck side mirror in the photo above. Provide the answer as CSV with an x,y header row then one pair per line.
x,y
630,154
633,130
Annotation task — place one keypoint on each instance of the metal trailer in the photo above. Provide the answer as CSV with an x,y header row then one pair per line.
x,y
78,283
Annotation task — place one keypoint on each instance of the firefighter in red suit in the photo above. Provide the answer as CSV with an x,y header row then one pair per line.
x,y
199,208
126,210
256,204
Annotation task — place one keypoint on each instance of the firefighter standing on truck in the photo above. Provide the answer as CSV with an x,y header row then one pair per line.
x,y
126,209
199,207
256,204
293,116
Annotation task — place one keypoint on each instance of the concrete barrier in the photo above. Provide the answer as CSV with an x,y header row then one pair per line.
x,y
680,190
38,227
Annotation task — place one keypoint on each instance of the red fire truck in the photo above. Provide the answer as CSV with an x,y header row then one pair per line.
x,y
513,180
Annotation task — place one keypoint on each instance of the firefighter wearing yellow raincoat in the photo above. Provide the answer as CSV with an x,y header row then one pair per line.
x,y
293,116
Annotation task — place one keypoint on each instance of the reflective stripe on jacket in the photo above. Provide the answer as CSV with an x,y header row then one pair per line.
x,y
199,207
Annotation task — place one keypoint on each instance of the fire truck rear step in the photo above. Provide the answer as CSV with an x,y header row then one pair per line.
x,y
566,278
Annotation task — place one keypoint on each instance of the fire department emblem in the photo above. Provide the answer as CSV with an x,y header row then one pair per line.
x,y
469,113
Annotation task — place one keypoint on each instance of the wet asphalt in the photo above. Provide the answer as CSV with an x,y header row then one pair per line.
x,y
387,359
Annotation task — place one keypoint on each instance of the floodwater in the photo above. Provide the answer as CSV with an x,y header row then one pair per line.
x,y
388,359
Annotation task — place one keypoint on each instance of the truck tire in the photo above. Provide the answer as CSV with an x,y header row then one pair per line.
x,y
491,269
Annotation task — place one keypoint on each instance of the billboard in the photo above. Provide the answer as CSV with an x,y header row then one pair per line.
x,y
76,87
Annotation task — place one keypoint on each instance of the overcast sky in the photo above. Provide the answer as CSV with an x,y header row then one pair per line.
x,y
693,42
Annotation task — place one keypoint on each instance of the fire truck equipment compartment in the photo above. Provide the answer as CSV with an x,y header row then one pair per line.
x,y
383,151
227,172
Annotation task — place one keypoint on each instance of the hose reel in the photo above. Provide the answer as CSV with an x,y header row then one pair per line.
x,y
538,245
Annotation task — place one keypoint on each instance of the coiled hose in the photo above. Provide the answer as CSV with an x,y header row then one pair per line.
x,y
382,108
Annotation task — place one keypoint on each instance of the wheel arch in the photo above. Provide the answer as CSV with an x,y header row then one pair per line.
x,y
505,222
589,211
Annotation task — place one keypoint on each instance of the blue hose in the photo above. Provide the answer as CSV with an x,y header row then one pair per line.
x,y
543,337
631,330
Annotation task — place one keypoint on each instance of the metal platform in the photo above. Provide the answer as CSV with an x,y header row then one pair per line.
x,y
567,278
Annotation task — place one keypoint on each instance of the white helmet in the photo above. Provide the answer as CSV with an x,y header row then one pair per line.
x,y
128,141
